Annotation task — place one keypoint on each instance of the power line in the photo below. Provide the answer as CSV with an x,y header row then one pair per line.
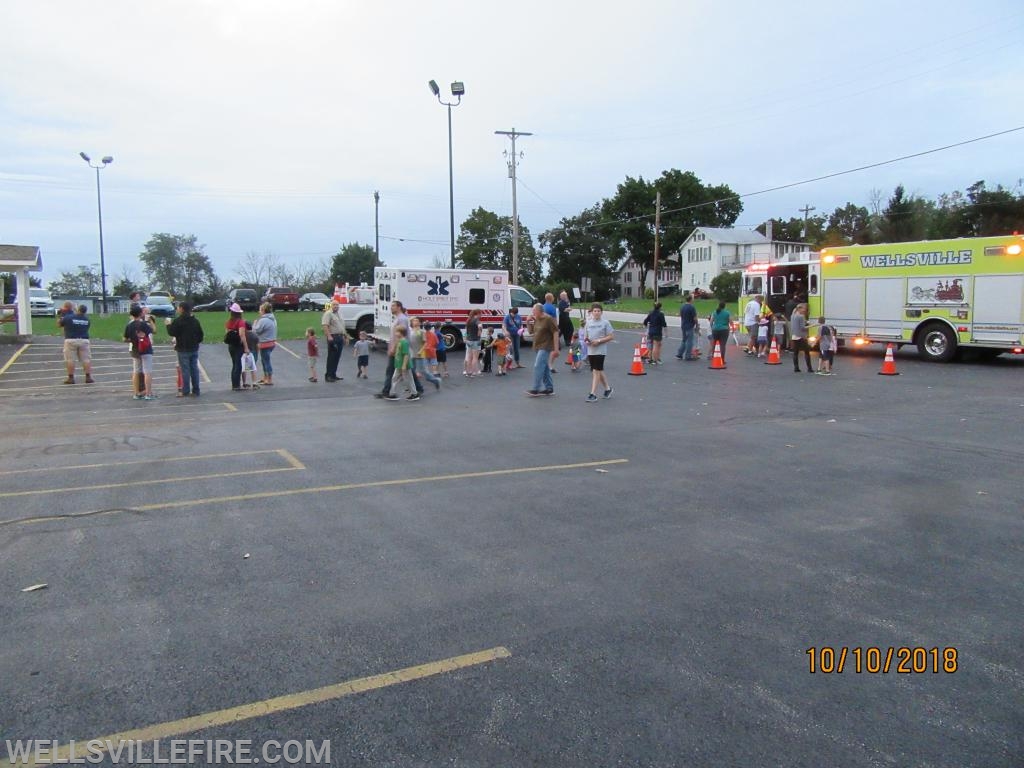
x,y
780,187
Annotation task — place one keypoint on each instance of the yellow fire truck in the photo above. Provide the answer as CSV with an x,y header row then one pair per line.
x,y
940,295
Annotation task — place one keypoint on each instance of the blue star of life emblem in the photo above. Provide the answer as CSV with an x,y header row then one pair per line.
x,y
438,287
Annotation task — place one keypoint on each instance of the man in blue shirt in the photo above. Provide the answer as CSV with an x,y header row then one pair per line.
x,y
549,307
76,341
690,326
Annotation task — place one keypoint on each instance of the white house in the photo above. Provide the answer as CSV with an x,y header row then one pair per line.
x,y
627,278
709,251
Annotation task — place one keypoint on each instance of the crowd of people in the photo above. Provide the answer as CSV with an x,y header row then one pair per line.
x,y
418,352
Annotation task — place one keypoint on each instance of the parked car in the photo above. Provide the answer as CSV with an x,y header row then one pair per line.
x,y
282,299
166,294
217,305
40,303
161,306
246,298
315,301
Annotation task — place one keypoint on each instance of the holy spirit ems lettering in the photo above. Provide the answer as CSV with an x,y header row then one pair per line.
x,y
924,259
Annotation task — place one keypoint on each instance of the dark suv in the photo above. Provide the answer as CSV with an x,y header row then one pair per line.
x,y
246,298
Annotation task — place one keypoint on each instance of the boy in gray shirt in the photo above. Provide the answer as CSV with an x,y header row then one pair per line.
x,y
597,333
361,351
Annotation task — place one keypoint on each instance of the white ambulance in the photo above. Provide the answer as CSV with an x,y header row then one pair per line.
x,y
445,297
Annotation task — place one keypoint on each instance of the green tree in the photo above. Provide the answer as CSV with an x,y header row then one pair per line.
x,y
849,225
991,211
354,264
686,203
726,285
84,281
905,217
579,248
792,231
485,242
177,263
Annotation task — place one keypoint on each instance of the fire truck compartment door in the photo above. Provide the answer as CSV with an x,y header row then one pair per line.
x,y
998,300
843,303
883,307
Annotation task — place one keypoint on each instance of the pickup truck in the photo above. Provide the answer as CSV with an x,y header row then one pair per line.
x,y
282,298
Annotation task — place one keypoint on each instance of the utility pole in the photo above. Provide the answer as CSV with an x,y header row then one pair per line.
x,y
513,134
376,225
806,210
657,242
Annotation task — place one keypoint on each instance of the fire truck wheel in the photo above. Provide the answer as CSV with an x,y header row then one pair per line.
x,y
936,343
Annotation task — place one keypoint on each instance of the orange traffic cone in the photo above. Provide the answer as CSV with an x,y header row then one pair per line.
x,y
181,379
889,364
773,355
644,351
568,357
637,369
338,295
717,363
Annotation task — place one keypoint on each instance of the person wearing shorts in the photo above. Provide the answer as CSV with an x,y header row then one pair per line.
x,y
597,333
471,366
442,354
137,334
76,341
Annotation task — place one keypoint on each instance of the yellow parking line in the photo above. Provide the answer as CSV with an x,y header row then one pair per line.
x,y
278,704
287,455
373,484
282,346
230,406
14,357
201,457
133,483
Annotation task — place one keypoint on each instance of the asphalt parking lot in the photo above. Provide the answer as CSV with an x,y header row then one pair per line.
x,y
485,579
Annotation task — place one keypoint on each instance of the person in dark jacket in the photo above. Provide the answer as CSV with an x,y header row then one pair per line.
x,y
655,323
188,335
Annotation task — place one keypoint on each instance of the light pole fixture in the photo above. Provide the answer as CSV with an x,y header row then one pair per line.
x,y
458,91
99,211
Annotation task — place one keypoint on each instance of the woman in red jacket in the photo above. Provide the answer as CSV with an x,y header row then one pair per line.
x,y
237,345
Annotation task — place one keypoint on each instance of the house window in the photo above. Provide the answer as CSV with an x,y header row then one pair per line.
x,y
629,277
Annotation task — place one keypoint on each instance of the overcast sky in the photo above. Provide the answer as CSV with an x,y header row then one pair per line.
x,y
267,126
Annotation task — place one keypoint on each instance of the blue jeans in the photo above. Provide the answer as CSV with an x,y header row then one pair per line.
x,y
542,371
236,352
268,369
686,348
421,368
189,364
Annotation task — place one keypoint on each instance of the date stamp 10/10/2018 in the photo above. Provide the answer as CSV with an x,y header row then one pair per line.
x,y
873,660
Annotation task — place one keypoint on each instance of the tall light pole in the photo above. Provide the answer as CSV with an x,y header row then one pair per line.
x,y
99,211
376,227
458,91
514,134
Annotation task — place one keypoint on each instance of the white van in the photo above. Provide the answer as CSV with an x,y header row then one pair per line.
x,y
445,297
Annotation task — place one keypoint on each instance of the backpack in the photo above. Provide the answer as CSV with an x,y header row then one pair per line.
x,y
143,345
